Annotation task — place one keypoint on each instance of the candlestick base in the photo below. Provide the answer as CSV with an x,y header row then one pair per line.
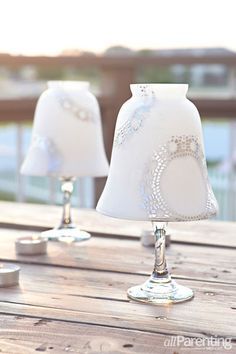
x,y
159,292
66,234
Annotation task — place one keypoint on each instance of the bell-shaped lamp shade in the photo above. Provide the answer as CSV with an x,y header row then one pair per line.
x,y
67,134
158,169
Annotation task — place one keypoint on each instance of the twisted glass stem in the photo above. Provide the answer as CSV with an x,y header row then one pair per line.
x,y
160,267
67,190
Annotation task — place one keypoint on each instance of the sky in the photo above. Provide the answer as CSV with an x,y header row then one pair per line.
x,y
34,27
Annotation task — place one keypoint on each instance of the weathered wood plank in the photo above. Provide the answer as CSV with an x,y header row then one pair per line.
x,y
186,261
204,324
25,335
85,285
100,298
22,334
42,217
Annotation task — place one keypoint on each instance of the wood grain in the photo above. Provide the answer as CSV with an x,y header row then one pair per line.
x,y
100,298
25,335
42,217
74,298
185,261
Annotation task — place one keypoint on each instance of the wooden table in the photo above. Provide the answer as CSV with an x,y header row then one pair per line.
x,y
74,298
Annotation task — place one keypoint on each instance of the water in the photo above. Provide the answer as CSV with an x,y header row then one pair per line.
x,y
36,189
213,134
40,189
217,140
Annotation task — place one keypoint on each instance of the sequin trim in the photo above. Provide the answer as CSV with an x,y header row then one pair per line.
x,y
141,113
152,198
82,113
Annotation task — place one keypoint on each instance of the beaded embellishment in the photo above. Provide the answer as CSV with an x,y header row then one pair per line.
x,y
137,119
82,113
152,198
46,145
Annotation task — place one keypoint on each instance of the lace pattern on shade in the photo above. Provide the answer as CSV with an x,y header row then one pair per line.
x,y
81,112
136,122
152,198
46,145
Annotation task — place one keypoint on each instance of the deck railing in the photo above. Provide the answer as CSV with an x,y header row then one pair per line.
x,y
116,73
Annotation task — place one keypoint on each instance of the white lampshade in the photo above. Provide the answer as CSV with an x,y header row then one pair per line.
x,y
67,134
158,169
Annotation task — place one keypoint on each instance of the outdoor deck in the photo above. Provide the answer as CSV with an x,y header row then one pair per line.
x,y
74,298
114,77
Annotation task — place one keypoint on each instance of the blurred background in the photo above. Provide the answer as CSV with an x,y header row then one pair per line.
x,y
112,44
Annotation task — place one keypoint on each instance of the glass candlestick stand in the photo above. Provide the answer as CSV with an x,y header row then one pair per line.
x,y
67,231
160,288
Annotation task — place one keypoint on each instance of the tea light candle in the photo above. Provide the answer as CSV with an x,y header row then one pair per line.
x,y
31,245
9,275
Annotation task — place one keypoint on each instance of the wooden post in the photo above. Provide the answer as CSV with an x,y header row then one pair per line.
x,y
232,81
20,195
231,174
116,90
